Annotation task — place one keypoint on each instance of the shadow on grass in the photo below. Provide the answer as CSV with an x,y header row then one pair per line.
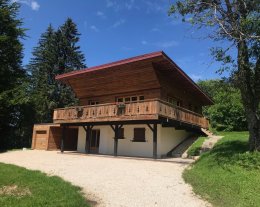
x,y
233,153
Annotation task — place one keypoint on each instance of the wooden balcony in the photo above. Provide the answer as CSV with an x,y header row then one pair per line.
x,y
142,110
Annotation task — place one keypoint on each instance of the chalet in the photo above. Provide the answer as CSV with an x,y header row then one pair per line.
x,y
140,106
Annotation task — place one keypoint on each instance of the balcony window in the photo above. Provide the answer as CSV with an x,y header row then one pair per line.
x,y
141,98
134,98
129,99
91,102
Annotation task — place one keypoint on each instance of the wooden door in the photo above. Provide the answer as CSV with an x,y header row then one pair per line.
x,y
94,140
41,139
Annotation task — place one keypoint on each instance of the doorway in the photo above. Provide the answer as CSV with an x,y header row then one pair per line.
x,y
94,141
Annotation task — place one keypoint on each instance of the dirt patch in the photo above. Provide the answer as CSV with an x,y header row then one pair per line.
x,y
14,190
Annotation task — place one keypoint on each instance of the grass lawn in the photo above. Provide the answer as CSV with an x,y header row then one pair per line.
x,y
227,175
27,188
194,150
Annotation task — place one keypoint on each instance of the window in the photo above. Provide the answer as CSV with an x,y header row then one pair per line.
x,y
129,99
139,135
141,98
120,99
134,98
190,106
121,133
41,132
90,102
173,101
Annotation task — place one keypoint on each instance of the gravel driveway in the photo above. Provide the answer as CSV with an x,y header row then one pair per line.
x,y
114,182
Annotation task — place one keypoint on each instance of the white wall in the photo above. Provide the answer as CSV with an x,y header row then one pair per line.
x,y
81,140
167,139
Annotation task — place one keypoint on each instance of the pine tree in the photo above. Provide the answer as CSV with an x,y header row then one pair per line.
x,y
15,111
57,52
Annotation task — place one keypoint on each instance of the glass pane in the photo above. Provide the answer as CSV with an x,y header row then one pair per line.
x,y
141,98
119,99
134,98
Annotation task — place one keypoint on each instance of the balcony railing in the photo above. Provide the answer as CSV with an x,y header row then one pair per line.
x,y
142,110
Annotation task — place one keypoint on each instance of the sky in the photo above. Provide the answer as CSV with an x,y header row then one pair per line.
x,y
117,29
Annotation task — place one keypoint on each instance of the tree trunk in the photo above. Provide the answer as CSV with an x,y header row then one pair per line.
x,y
246,82
254,130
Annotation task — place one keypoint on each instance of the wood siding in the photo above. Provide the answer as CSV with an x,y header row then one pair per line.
x,y
52,138
121,80
174,88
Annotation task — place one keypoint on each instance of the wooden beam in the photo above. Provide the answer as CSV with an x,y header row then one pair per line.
x,y
150,127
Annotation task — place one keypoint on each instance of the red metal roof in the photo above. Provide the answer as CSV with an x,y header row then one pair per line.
x,y
131,60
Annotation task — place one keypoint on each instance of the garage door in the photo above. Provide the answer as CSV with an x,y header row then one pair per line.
x,y
41,139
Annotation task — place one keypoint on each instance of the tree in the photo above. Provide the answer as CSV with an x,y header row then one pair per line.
x,y
14,101
237,22
57,52
227,113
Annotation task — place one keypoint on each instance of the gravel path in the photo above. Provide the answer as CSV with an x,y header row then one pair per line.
x,y
114,182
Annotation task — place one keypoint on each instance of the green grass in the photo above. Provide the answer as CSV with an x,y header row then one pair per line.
x,y
47,191
194,149
228,175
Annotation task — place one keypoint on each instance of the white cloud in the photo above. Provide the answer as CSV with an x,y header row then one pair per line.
x,y
94,28
195,77
35,6
101,14
144,42
118,23
121,5
31,3
161,45
155,29
166,44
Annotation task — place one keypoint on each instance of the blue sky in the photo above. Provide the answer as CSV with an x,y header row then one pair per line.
x,y
115,29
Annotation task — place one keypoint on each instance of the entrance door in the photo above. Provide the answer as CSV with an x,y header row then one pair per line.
x,y
94,140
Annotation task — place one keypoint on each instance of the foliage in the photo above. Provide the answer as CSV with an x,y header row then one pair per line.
x,y
57,52
194,149
15,110
237,23
228,175
227,113
38,189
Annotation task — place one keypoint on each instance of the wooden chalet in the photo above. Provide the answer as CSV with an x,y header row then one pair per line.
x,y
140,106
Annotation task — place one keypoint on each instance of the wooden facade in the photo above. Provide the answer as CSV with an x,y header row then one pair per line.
x,y
166,91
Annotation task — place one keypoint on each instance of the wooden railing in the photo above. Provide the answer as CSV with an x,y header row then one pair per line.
x,y
142,110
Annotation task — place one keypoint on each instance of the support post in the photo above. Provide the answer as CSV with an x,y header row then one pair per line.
x,y
62,139
88,137
116,140
155,141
